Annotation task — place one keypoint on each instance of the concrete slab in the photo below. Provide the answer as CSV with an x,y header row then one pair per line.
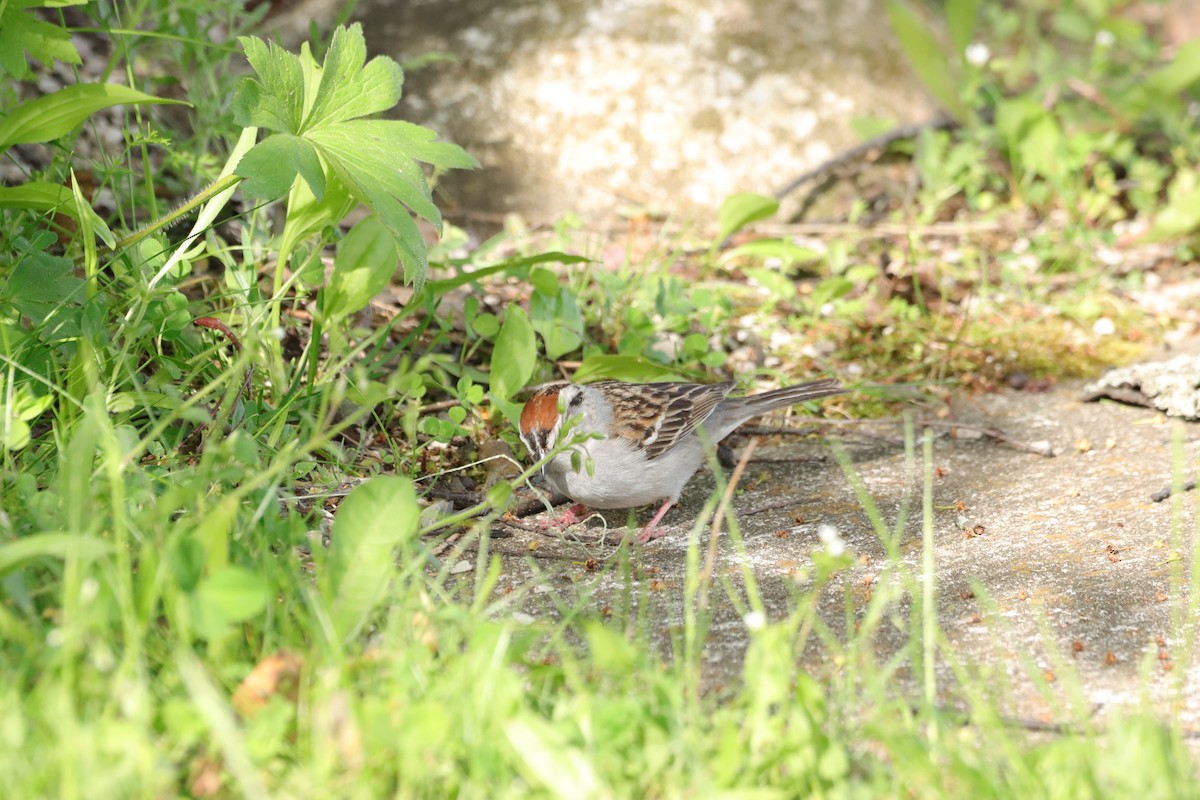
x,y
1060,585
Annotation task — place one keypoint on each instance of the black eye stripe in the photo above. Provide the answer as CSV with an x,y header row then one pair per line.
x,y
537,442
575,401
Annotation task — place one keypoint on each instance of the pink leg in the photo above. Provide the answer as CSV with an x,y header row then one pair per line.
x,y
649,532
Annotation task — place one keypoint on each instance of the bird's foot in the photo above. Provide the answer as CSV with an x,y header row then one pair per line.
x,y
572,515
651,531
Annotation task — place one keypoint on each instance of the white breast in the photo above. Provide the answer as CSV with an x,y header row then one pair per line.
x,y
622,476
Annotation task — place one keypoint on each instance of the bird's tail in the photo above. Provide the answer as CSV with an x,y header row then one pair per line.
x,y
790,395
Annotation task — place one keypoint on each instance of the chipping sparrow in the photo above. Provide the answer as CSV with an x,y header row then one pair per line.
x,y
648,445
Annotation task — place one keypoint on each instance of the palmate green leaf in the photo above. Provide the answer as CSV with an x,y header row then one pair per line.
x,y
275,100
379,191
272,165
40,285
348,89
57,114
418,143
22,33
377,159
367,155
320,105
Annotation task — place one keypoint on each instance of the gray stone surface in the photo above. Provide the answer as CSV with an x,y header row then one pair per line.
x,y
590,106
1076,559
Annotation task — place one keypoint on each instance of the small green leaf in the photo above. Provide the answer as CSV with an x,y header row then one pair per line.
x,y
486,325
925,54
307,215
365,263
228,596
38,196
1181,74
544,281
1034,137
512,266
743,209
612,654
623,368
21,551
557,319
548,761
15,434
1181,214
787,252
514,355
57,114
960,19
830,289
373,520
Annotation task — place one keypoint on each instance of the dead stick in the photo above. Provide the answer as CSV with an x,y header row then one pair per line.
x,y
991,433
771,506
1167,491
445,544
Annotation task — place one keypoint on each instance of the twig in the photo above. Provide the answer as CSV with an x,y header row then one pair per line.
x,y
460,499
440,406
799,459
783,430
536,553
769,506
445,544
613,537
531,506
880,143
880,230
990,433
1167,491
710,558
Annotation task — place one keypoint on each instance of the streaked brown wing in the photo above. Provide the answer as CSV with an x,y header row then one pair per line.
x,y
661,413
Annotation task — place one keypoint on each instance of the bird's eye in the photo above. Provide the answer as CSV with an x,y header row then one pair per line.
x,y
576,401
